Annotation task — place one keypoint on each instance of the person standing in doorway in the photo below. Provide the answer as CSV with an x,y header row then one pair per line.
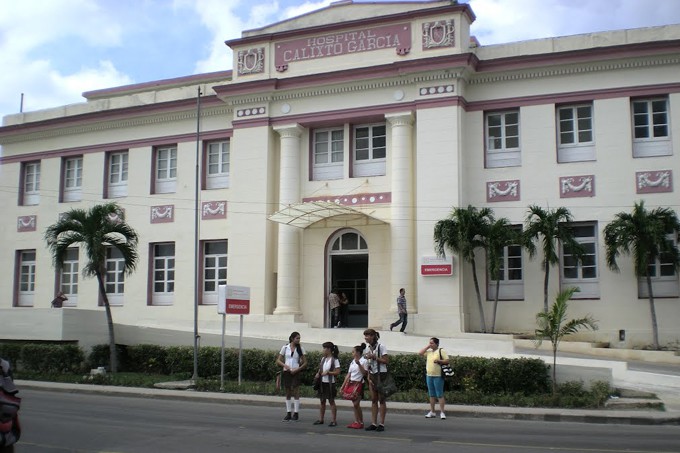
x,y
401,309
344,310
292,359
436,357
334,307
376,354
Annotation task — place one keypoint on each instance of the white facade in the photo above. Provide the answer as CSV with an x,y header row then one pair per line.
x,y
387,110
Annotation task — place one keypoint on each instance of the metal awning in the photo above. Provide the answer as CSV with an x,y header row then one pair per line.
x,y
303,215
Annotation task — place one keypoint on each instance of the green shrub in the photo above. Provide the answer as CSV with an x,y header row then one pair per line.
x,y
11,352
52,358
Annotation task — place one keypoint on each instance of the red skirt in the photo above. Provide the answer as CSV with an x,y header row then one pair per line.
x,y
353,391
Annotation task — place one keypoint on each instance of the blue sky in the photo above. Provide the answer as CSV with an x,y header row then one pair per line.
x,y
54,50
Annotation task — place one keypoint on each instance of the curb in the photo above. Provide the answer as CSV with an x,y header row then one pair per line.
x,y
599,416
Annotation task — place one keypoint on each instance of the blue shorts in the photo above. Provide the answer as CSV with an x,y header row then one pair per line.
x,y
435,386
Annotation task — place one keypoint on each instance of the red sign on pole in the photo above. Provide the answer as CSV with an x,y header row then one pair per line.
x,y
436,266
233,300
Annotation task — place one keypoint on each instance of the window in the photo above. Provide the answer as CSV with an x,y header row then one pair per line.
x,y
329,154
511,275
72,179
502,139
663,275
582,274
575,133
115,276
651,136
26,271
117,181
218,165
214,269
68,278
30,190
166,170
163,274
370,150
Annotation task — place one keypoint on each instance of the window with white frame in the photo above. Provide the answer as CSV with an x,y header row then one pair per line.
x,y
370,150
214,269
68,279
511,277
73,179
502,139
581,273
117,174
115,276
328,153
31,184
217,175
663,276
166,170
575,133
651,133
163,273
26,264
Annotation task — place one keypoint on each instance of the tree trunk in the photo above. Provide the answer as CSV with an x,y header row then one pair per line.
x,y
545,286
554,373
113,360
479,295
652,309
495,305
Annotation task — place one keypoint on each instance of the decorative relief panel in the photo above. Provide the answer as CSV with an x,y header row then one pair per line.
x,y
251,111
361,198
502,191
26,223
213,210
654,181
441,89
163,214
438,34
577,186
251,61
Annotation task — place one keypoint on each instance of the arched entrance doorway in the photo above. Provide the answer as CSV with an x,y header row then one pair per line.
x,y
348,272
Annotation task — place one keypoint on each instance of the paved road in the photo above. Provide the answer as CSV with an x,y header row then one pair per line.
x,y
78,422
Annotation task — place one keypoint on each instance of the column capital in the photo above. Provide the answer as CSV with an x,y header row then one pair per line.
x,y
400,119
289,130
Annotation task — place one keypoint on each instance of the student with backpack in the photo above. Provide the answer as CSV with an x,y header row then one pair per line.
x,y
10,430
329,368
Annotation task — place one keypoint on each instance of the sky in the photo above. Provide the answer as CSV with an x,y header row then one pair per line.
x,y
54,50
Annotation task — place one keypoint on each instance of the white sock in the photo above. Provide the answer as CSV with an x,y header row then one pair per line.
x,y
289,405
297,405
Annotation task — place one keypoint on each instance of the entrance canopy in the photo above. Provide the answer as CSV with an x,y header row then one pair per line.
x,y
303,215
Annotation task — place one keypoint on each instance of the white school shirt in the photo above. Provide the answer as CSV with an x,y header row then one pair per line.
x,y
327,367
373,362
355,373
291,358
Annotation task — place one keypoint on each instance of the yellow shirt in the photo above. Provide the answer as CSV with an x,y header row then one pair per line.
x,y
433,369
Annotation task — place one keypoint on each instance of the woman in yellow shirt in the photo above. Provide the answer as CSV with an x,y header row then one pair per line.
x,y
436,357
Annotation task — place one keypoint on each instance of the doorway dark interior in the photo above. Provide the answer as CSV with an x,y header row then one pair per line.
x,y
349,273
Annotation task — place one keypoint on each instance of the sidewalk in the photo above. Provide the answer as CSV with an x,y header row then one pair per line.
x,y
603,416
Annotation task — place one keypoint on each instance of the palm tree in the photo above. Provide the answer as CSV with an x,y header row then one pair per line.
x,y
464,231
554,326
501,234
644,234
552,226
96,229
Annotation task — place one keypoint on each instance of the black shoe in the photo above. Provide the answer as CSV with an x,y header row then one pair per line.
x,y
380,428
295,417
372,428
391,327
318,422
287,418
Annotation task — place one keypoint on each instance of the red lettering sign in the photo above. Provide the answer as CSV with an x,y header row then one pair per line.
x,y
436,269
238,307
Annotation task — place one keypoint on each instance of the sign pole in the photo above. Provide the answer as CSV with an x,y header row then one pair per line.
x,y
224,322
240,350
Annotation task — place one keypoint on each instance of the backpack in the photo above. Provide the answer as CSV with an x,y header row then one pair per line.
x,y
10,430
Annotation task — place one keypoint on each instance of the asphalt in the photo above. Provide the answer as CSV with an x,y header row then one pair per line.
x,y
641,416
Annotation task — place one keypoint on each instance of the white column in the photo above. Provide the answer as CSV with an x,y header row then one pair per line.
x,y
402,221
288,282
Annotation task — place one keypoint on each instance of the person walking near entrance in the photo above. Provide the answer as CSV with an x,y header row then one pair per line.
x,y
376,354
401,309
436,357
334,307
292,359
